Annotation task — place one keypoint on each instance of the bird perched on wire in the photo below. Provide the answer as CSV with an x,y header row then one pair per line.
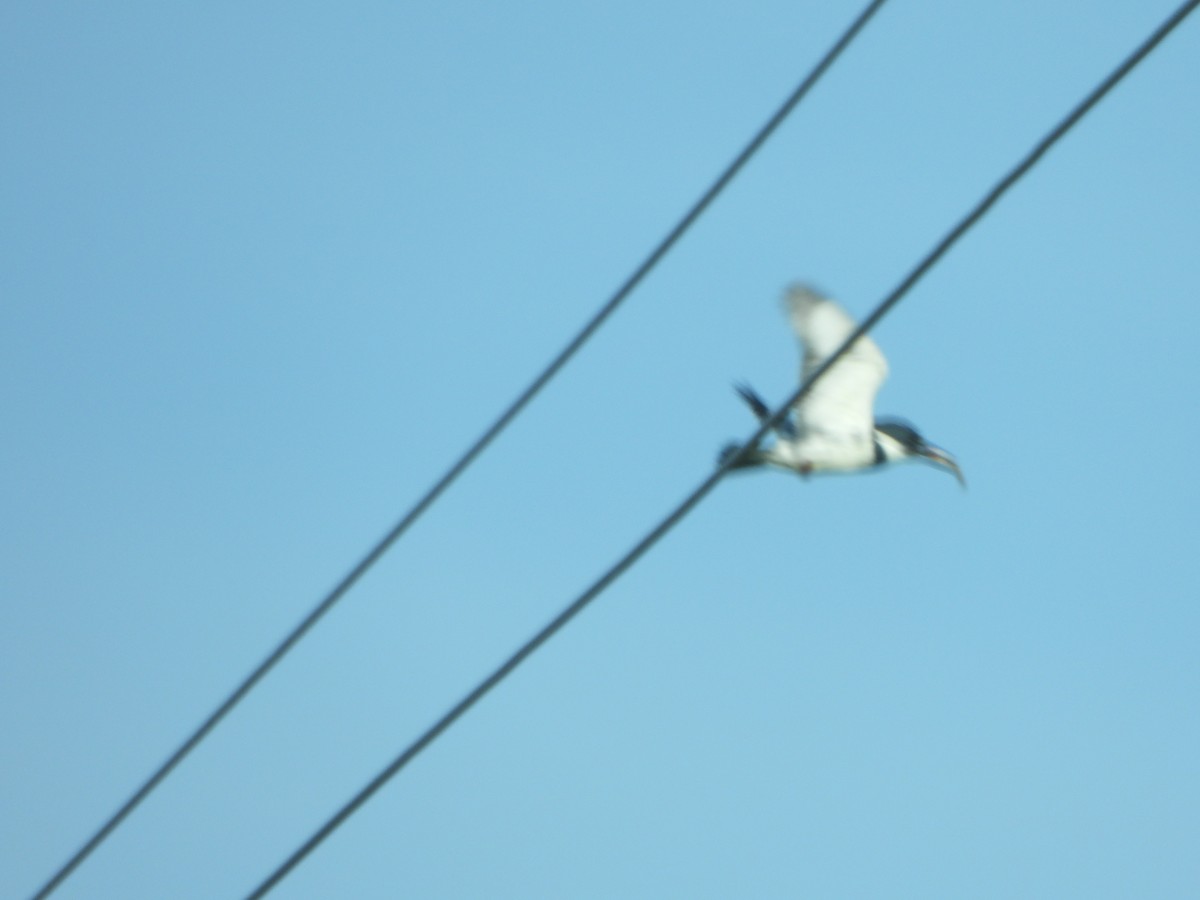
x,y
833,427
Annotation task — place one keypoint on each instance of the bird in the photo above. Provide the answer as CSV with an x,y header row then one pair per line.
x,y
833,427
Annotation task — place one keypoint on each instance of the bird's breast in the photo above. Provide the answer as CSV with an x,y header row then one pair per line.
x,y
817,452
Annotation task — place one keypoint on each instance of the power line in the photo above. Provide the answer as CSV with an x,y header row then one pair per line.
x,y
505,418
660,530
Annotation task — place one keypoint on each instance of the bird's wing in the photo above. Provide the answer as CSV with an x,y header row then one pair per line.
x,y
842,402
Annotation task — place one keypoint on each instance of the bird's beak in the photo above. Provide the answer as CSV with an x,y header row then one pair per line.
x,y
942,459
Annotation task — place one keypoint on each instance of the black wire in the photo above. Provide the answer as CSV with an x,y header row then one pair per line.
x,y
709,483
478,447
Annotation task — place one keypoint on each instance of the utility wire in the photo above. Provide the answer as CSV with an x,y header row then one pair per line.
x,y
660,530
467,458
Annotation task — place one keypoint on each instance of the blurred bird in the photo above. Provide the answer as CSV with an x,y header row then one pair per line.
x,y
833,428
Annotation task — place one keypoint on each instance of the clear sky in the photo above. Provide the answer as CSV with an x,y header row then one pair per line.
x,y
267,269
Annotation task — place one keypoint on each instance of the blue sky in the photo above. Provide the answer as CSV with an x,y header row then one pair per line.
x,y
268,269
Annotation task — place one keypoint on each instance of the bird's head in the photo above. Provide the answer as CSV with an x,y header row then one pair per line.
x,y
900,440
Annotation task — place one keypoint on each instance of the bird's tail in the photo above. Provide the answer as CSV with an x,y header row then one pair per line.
x,y
760,409
752,458
762,412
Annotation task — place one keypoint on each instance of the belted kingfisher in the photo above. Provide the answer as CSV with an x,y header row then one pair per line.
x,y
833,428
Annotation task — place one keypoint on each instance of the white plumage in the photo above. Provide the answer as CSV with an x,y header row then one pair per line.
x,y
833,427
835,422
